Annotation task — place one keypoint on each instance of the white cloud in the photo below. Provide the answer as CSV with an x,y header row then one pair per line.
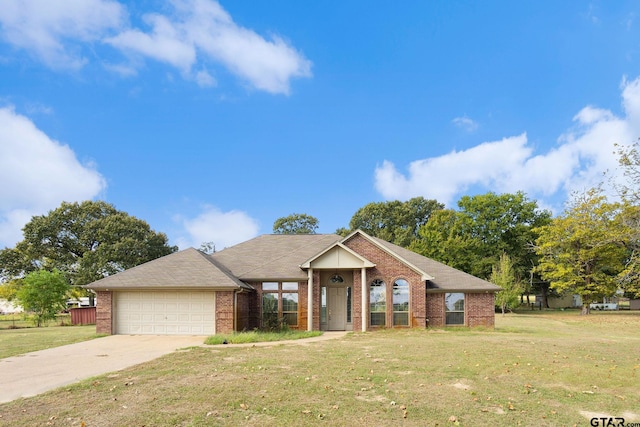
x,y
578,161
37,174
203,30
224,229
266,64
51,29
165,43
196,33
204,79
465,123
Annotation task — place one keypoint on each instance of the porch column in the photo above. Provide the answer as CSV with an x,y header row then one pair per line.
x,y
365,311
310,299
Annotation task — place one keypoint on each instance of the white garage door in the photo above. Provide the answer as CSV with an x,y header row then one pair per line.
x,y
165,313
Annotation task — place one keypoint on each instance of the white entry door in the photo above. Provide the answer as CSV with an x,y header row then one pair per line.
x,y
164,312
337,308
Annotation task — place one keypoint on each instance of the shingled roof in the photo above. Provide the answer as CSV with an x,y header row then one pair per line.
x,y
445,278
274,256
189,268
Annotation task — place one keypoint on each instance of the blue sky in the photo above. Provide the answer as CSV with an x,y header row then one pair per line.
x,y
211,120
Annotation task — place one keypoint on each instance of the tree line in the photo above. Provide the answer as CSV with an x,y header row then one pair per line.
x,y
591,249
74,245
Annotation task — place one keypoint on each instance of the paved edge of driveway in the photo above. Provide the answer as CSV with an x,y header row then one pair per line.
x,y
327,335
34,373
37,372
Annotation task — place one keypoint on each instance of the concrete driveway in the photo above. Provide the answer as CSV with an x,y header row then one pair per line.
x,y
34,373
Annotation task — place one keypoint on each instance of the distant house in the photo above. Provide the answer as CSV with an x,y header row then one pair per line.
x,y
309,282
7,307
564,301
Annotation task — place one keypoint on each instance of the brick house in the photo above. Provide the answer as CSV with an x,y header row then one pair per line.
x,y
309,282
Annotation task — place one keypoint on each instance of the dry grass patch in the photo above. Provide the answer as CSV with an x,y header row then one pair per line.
x,y
531,370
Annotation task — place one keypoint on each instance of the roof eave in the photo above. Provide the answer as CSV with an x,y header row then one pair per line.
x,y
464,290
170,288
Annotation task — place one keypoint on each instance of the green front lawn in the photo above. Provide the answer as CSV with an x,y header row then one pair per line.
x,y
20,341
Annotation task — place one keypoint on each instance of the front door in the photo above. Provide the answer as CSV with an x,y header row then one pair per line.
x,y
337,308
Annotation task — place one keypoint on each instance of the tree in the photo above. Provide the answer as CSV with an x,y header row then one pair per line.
x,y
9,289
296,224
484,227
629,160
395,221
207,248
629,277
504,276
447,237
44,293
86,241
584,250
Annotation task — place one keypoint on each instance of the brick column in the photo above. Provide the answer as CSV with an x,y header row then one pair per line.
x,y
224,312
104,313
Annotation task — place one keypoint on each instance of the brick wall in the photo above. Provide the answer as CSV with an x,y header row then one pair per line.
x,y
389,269
435,310
224,312
104,310
480,309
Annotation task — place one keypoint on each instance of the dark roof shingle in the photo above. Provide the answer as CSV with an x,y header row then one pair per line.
x,y
189,268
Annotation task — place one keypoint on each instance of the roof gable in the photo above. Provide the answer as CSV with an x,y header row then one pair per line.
x,y
337,256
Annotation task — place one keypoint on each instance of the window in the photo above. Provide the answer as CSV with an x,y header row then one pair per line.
x,y
290,308
279,304
454,308
378,303
323,304
270,310
401,303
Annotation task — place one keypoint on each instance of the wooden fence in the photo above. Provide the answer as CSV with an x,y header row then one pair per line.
x,y
83,316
